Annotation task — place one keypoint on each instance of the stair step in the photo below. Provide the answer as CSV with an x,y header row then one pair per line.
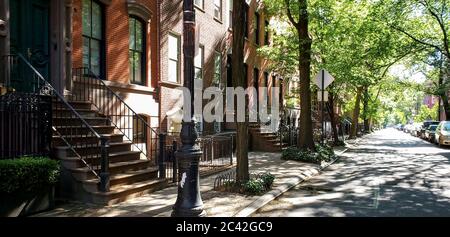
x,y
74,104
73,121
101,129
125,178
65,112
116,157
84,173
87,149
124,192
85,139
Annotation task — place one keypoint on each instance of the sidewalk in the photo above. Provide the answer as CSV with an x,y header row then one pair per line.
x,y
217,204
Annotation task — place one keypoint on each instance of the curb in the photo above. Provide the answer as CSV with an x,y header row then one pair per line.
x,y
273,194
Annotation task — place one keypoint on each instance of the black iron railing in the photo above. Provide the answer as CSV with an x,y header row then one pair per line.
x,y
218,153
25,125
73,136
136,128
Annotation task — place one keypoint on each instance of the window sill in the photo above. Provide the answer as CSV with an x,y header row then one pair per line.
x,y
199,8
133,87
218,20
170,84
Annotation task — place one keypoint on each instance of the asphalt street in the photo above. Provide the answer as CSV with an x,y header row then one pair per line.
x,y
390,173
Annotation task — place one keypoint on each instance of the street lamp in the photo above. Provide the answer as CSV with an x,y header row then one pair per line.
x,y
189,202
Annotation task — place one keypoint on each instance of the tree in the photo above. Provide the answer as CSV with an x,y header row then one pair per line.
x,y
296,13
239,80
409,17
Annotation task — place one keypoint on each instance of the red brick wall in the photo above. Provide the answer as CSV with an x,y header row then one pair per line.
x,y
117,40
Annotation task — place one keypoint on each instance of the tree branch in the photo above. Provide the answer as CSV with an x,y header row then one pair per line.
x,y
289,14
416,39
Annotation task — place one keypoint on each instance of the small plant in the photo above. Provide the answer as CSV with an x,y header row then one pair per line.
x,y
257,185
27,175
322,153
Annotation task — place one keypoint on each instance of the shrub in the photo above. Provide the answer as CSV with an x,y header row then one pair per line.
x,y
27,175
257,185
322,153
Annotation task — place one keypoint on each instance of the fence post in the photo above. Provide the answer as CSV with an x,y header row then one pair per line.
x,y
104,172
231,149
162,153
175,164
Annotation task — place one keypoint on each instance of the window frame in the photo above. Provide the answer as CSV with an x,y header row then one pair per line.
x,y
202,63
266,32
202,7
257,22
143,53
135,128
217,79
178,60
246,20
220,10
91,37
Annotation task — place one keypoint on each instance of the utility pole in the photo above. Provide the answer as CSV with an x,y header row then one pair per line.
x,y
189,202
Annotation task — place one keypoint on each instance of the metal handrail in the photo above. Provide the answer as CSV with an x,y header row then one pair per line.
x,y
118,97
67,105
86,72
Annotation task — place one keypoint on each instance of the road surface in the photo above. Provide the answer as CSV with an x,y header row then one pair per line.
x,y
390,173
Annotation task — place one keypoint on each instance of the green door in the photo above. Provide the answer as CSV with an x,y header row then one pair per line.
x,y
29,37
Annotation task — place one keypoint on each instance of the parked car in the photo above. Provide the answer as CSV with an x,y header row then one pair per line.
x,y
415,130
425,125
429,133
442,135
408,128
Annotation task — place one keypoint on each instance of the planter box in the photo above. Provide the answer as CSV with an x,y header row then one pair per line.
x,y
25,205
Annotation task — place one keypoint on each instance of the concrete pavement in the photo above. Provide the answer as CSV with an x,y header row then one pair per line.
x,y
389,174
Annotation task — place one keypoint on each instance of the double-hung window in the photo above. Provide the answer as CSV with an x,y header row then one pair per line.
x,y
174,59
198,63
93,36
217,69
230,14
137,51
218,9
257,27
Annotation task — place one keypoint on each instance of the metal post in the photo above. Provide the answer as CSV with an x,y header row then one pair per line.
x,y
189,202
104,172
323,104
174,165
162,153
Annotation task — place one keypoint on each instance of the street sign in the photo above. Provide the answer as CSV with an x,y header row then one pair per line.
x,y
324,77
325,96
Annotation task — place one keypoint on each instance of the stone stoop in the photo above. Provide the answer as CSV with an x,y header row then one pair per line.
x,y
130,176
265,142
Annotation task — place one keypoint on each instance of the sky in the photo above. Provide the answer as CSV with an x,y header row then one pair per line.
x,y
406,73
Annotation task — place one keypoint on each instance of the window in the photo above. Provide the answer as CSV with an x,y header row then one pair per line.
x,y
257,26
92,17
174,58
266,79
199,3
230,14
139,129
137,52
198,64
218,9
255,78
246,10
266,32
217,69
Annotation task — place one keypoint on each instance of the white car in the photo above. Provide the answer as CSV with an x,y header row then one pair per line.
x,y
442,135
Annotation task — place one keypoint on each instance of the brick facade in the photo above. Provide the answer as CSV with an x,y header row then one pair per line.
x,y
215,35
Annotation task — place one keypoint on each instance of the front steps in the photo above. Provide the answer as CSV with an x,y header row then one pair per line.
x,y
262,141
130,176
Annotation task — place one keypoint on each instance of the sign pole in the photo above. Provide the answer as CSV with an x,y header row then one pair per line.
x,y
323,103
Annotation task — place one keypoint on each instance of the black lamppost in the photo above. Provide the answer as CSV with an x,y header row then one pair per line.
x,y
189,202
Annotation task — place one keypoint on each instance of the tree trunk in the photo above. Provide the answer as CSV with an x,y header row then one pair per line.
x,y
239,80
356,110
306,140
366,110
333,118
445,104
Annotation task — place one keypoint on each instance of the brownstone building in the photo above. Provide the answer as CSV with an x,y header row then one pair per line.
x,y
213,61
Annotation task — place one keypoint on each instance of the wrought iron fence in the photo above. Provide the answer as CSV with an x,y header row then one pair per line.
x,y
70,130
217,153
25,125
